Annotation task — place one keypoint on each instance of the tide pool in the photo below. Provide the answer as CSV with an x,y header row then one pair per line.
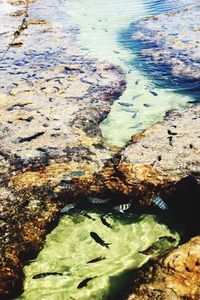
x,y
103,34
85,269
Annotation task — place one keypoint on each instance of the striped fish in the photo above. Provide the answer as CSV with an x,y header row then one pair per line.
x,y
122,207
97,200
159,202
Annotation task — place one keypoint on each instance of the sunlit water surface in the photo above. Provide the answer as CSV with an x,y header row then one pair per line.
x,y
70,251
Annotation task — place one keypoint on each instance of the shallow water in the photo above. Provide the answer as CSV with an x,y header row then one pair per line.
x,y
104,34
69,248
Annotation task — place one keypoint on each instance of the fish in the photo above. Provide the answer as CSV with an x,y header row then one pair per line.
x,y
98,240
135,126
137,82
129,110
122,207
147,105
96,259
126,104
88,216
43,275
153,93
134,115
68,207
76,173
159,202
137,96
104,222
84,282
98,200
64,184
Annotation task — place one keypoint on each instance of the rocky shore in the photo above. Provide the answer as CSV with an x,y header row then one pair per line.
x,y
51,149
171,40
175,276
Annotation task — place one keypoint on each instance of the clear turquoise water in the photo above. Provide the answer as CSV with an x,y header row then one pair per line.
x,y
101,24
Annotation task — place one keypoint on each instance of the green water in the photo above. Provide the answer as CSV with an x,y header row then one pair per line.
x,y
69,247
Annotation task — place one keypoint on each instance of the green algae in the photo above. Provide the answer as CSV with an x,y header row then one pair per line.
x,y
69,248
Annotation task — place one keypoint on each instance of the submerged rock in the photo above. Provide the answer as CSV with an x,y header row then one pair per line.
x,y
175,276
172,40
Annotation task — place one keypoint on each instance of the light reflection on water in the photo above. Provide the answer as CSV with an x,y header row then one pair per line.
x,y
69,248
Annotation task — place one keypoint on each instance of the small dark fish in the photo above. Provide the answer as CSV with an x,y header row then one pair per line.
x,y
43,275
147,251
126,104
76,173
99,240
129,110
135,126
96,259
84,282
122,207
88,216
153,93
137,96
104,222
159,202
134,115
147,105
68,207
171,133
137,82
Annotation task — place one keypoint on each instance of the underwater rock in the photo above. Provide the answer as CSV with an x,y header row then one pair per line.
x,y
174,276
172,40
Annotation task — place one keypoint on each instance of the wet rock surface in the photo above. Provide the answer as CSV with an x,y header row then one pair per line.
x,y
176,276
163,162
51,149
171,40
